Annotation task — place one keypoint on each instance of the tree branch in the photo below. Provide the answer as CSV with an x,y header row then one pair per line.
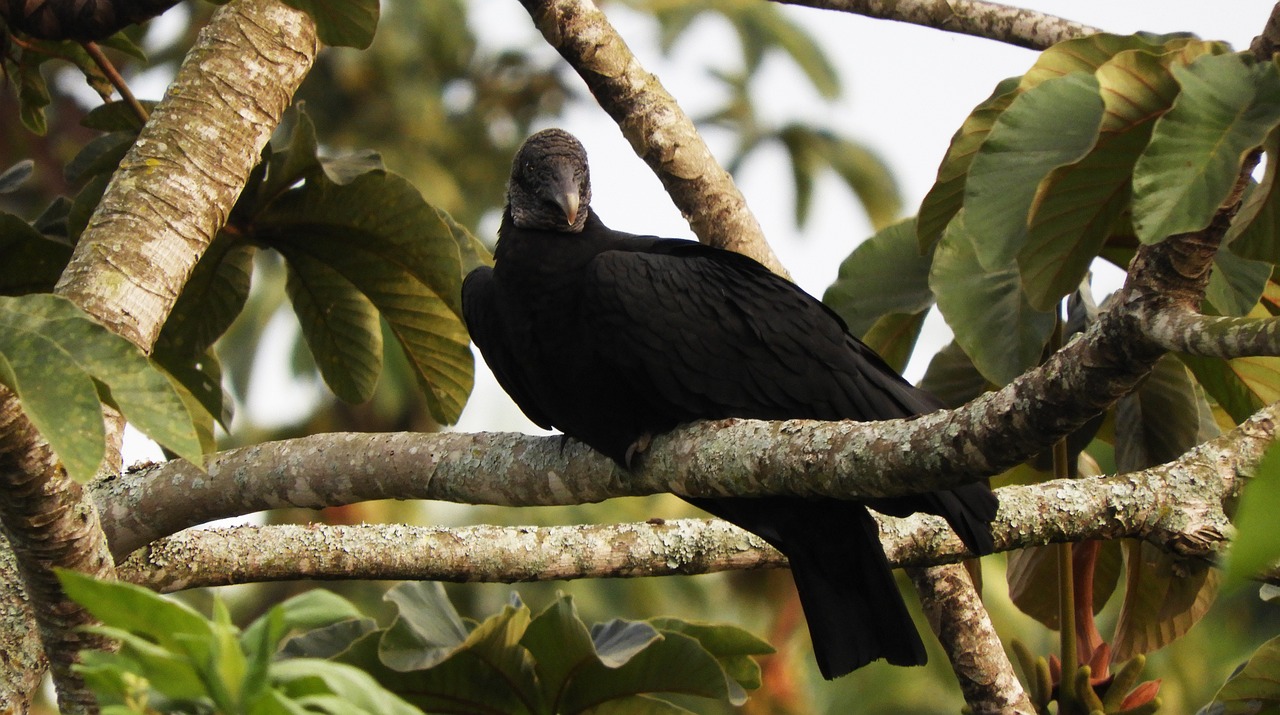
x,y
1213,336
988,20
1178,505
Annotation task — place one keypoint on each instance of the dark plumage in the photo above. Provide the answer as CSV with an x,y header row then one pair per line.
x,y
612,338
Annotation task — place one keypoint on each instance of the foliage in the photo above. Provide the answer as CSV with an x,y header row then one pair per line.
x,y
317,651
1098,147
64,366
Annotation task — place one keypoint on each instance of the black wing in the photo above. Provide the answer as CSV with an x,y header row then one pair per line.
x,y
715,334
499,342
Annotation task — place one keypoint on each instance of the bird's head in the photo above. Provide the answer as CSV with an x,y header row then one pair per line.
x,y
550,187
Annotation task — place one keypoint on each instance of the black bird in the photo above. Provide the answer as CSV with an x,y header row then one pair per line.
x,y
612,338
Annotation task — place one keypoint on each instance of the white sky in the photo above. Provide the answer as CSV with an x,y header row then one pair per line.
x,y
907,89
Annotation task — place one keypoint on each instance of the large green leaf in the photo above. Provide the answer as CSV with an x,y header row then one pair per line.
x,y
560,644
32,263
342,23
1226,107
993,322
673,664
310,610
732,646
884,274
894,337
1052,124
1236,283
1253,689
168,623
378,233
947,194
53,353
340,325
1256,544
1077,204
212,298
303,679
427,629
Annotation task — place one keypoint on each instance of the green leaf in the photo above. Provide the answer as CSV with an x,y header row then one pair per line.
x,y
1160,420
33,94
1050,125
1257,542
992,319
427,630
1253,689
1076,205
328,641
380,235
32,263
100,156
116,116
358,692
307,611
1226,107
560,644
894,337
340,325
733,647
884,274
947,194
952,378
52,348
342,23
212,298
15,176
1236,283
1241,386
674,664
85,203
1255,231
138,611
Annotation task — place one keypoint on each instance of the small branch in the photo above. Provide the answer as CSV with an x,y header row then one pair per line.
x,y
956,614
1177,505
1213,336
113,76
993,21
658,129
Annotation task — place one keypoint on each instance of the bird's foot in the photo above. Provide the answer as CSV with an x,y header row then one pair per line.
x,y
638,447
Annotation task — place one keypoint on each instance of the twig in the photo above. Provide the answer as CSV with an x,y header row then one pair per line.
x,y
988,20
104,63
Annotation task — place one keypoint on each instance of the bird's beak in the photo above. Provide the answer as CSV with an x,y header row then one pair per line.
x,y
568,201
566,194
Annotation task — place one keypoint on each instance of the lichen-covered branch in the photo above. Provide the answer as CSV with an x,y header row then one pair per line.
x,y
1215,336
658,129
176,186
21,653
955,612
1179,505
988,20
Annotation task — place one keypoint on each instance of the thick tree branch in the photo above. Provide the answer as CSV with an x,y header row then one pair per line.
x,y
658,129
988,20
1213,336
955,612
1179,505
